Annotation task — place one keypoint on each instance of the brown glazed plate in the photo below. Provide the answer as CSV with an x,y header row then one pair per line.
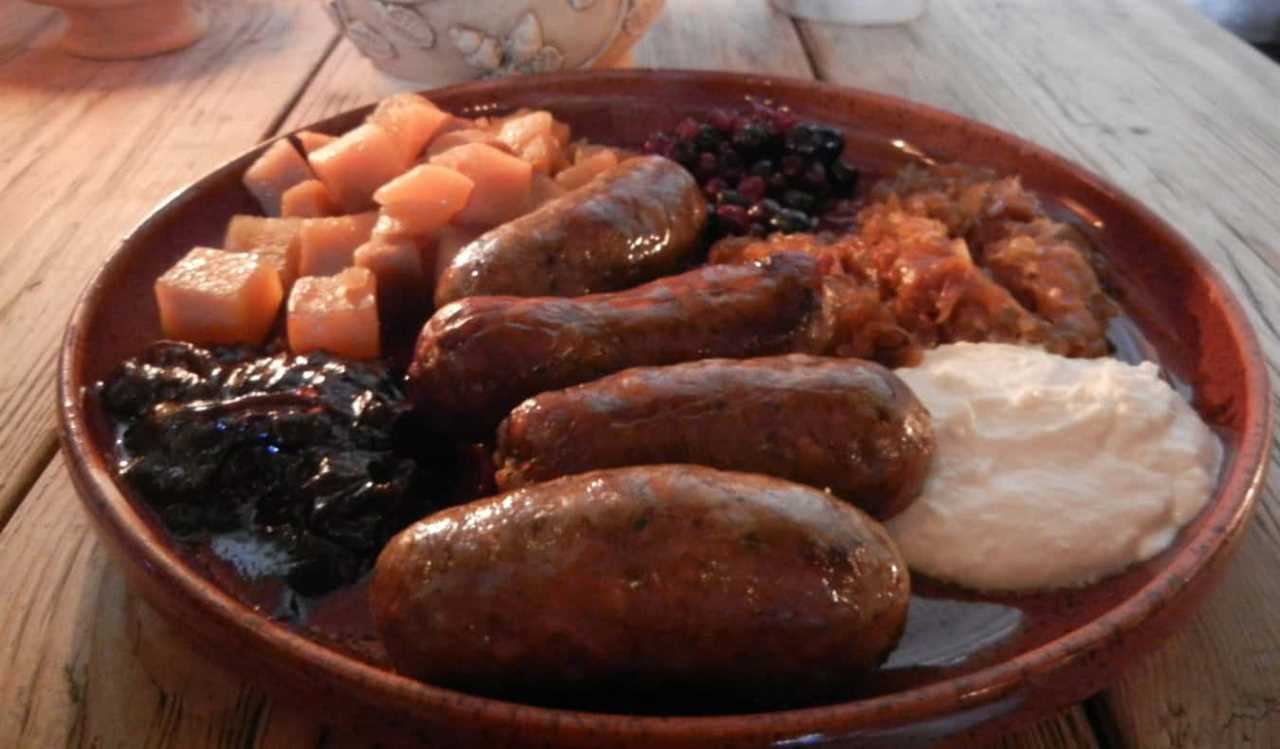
x,y
968,667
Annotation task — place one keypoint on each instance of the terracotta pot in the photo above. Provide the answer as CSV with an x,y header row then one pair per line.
x,y
123,29
458,40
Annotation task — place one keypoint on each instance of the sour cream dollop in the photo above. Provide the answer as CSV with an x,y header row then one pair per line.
x,y
1050,472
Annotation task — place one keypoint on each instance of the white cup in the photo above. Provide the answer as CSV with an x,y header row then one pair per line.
x,y
853,12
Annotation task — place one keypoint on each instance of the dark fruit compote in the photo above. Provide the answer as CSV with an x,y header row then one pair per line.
x,y
764,171
300,465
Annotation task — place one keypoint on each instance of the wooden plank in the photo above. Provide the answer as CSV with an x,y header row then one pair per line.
x,y
87,148
718,34
1183,116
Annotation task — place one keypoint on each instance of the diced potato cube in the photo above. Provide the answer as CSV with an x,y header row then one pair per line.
x,y
355,165
589,166
413,120
404,290
276,170
308,199
424,198
561,132
212,296
311,141
449,242
328,244
522,127
502,184
277,241
545,189
455,138
338,314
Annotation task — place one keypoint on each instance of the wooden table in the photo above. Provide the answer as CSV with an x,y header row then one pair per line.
x,y
1147,93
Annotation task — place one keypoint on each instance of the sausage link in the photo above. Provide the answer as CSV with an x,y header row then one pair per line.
x,y
847,425
479,357
668,580
641,220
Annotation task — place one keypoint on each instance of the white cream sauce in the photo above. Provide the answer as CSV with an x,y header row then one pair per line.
x,y
1050,472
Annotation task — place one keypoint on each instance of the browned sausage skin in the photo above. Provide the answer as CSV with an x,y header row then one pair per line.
x,y
641,220
847,425
670,577
479,357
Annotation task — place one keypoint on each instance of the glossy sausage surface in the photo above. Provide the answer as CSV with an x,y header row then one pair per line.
x,y
670,578
847,425
641,220
478,358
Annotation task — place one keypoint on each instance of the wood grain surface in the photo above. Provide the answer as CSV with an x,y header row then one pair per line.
x,y
1146,93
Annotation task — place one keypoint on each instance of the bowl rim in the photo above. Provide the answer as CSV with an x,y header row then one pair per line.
x,y
1230,507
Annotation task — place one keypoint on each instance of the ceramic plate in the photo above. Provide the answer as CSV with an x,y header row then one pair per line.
x,y
967,667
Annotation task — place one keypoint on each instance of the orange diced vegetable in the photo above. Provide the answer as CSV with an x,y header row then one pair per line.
x,y
338,314
424,198
589,166
311,141
307,199
502,184
455,138
449,242
276,170
212,296
328,244
404,291
413,120
277,241
545,189
357,164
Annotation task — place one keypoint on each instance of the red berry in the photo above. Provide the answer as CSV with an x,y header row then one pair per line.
x,y
687,130
715,185
733,218
721,119
753,188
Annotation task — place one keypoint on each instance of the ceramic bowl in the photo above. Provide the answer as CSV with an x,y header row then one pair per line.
x,y
123,29
447,41
967,667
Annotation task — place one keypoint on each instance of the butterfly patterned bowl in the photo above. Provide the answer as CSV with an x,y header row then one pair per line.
x,y
448,41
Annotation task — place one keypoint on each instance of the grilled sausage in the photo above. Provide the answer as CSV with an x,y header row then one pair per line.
x,y
478,358
847,425
641,220
648,578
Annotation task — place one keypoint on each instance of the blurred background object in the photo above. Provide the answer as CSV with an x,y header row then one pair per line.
x,y
853,12
1255,21
123,29
446,41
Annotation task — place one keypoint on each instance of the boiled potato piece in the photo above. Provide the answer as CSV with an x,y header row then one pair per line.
x,y
217,297
338,314
587,168
413,120
453,139
502,184
355,165
544,190
308,199
449,241
328,244
276,170
425,198
278,241
404,290
535,138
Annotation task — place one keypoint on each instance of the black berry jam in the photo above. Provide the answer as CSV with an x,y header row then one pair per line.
x,y
764,171
301,452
